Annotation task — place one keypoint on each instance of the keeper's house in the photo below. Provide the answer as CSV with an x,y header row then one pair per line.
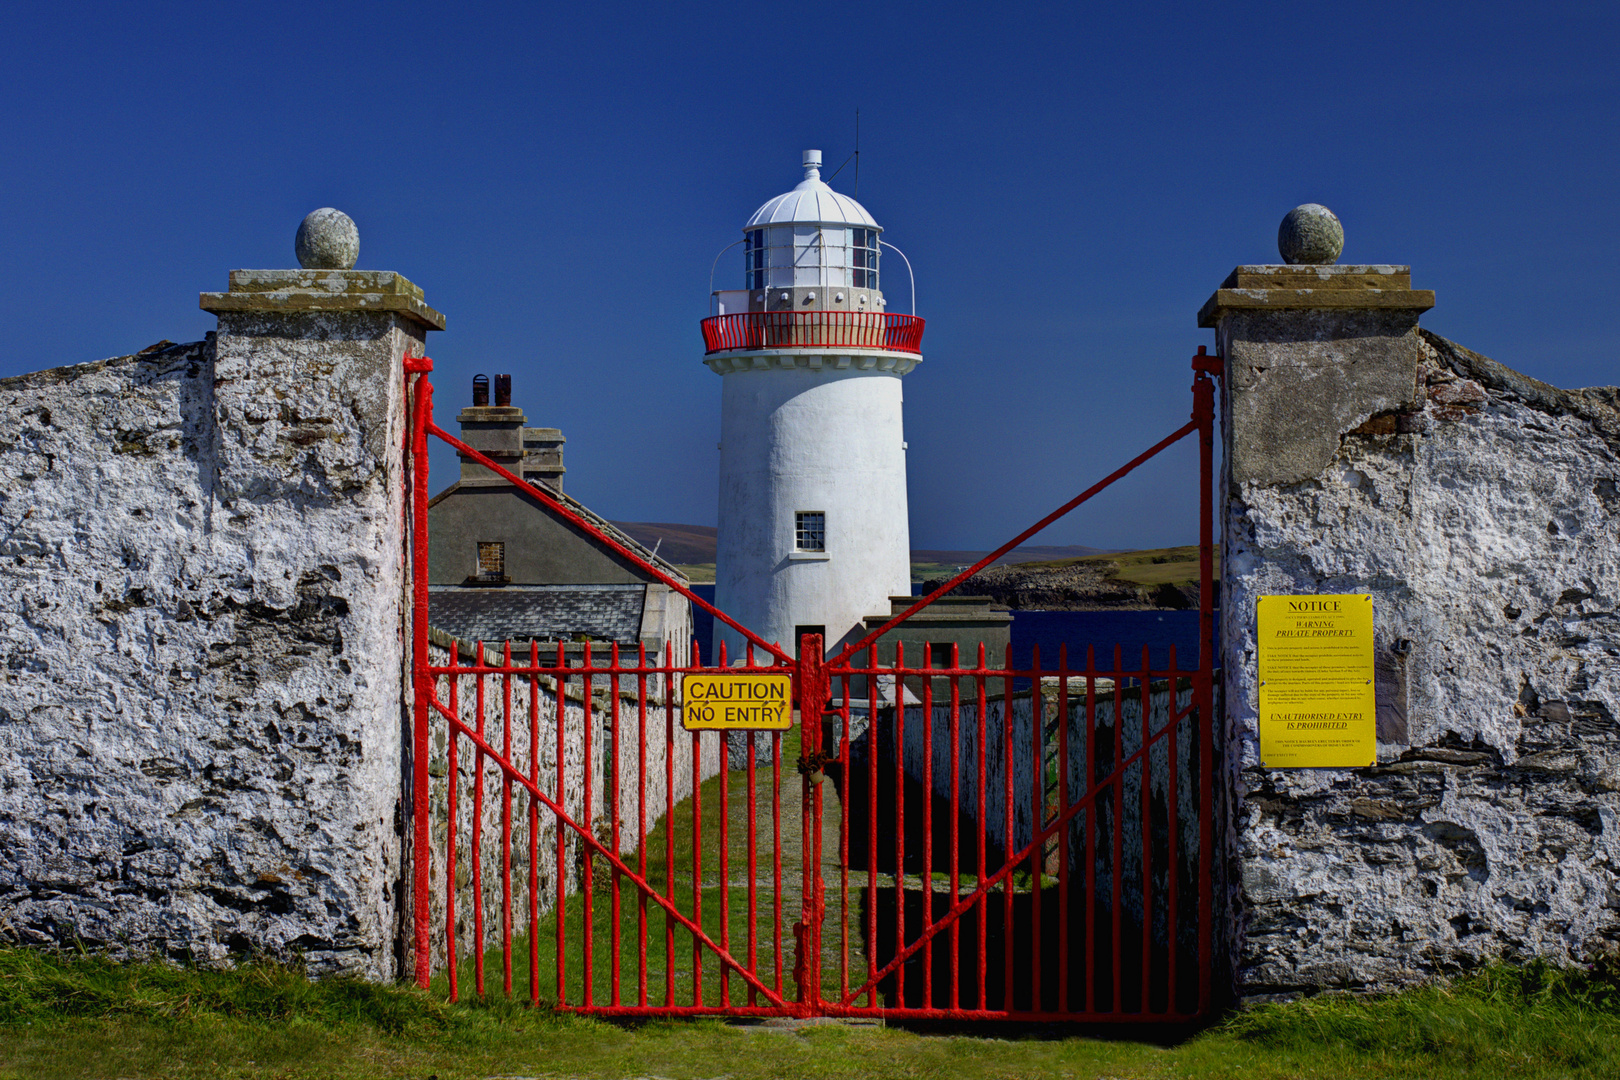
x,y
505,566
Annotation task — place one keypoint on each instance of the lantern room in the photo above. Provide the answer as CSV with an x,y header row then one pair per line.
x,y
810,249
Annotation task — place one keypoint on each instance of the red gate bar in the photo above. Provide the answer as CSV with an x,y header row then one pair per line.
x,y
1063,968
1112,786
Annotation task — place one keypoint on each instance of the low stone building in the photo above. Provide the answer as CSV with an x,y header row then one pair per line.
x,y
505,564
967,622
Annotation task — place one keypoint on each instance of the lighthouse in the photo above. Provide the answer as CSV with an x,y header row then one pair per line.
x,y
813,530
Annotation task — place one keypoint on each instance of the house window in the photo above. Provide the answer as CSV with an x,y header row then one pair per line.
x,y
491,561
810,530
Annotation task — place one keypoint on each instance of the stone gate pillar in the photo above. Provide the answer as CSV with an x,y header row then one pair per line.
x,y
310,414
1477,508
1313,352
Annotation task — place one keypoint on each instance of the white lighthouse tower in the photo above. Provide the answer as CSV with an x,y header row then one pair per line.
x,y
813,522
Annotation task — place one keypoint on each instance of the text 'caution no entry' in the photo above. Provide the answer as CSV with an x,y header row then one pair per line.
x,y
737,702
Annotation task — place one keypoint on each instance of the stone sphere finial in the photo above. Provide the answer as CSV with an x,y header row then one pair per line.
x,y
327,240
1310,234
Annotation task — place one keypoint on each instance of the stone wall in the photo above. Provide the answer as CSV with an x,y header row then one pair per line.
x,y
1480,509
201,639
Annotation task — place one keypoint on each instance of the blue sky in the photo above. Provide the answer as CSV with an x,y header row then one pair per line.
x,y
1070,181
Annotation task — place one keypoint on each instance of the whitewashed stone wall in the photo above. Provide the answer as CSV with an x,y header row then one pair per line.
x,y
1483,519
612,774
200,638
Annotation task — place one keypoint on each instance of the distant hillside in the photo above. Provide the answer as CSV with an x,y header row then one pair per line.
x,y
1157,578
1016,555
680,544
695,544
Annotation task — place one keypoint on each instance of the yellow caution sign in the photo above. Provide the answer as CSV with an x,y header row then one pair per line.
x,y
1318,708
737,702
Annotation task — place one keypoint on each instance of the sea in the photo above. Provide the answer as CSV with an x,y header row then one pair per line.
x,y
1051,630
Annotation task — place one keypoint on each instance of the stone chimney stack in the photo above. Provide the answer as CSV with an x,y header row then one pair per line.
x,y
495,431
543,457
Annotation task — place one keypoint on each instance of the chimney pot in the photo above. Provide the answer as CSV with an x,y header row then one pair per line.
x,y
503,391
480,391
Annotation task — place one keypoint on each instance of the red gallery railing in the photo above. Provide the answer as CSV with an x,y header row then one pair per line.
x,y
1012,842
813,329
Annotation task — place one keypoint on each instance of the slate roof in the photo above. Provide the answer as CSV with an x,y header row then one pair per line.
x,y
539,612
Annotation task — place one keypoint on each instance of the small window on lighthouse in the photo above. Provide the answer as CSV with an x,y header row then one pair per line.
x,y
864,254
810,530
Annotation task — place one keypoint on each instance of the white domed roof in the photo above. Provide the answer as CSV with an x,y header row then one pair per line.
x,y
812,203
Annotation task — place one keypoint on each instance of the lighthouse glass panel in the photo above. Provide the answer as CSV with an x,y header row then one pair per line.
x,y
754,259
807,256
865,257
835,248
810,530
779,256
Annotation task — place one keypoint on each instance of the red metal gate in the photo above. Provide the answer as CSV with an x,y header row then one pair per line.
x,y
1011,842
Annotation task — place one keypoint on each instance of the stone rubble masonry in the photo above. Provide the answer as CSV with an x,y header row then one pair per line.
x,y
1480,508
202,635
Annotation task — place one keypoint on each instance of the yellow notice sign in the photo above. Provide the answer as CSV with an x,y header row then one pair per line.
x,y
737,702
1317,704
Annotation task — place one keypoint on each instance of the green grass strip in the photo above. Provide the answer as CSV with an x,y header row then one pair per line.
x,y
80,1015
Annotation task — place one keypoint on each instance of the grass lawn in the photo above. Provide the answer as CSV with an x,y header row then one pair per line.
x,y
81,1016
